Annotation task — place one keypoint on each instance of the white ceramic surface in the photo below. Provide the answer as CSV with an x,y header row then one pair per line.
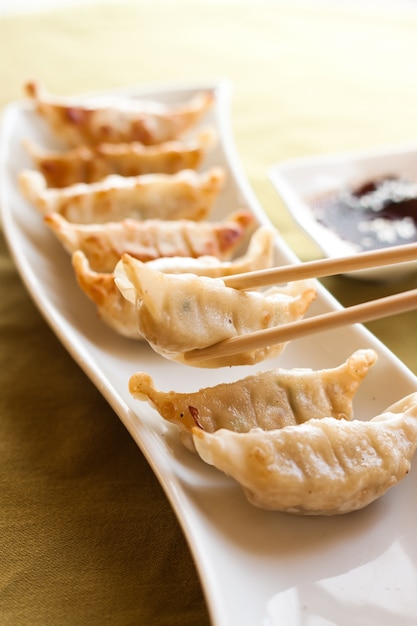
x,y
300,180
257,568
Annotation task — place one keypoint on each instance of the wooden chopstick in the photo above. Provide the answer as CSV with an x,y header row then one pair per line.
x,y
365,312
323,267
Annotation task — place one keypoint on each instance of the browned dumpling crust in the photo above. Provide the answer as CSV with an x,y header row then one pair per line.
x,y
120,313
321,467
259,255
104,244
185,195
180,313
114,310
267,400
89,164
118,119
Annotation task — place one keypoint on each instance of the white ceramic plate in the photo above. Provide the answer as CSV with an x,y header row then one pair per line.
x,y
300,180
257,568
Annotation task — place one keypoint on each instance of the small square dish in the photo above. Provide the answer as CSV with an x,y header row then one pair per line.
x,y
311,186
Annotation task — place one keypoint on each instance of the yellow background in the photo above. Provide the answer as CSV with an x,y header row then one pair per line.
x,y
86,534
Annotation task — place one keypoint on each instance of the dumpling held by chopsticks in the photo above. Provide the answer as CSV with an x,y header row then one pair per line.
x,y
180,313
120,313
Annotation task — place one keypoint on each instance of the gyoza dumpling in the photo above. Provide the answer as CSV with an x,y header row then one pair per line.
x,y
86,164
117,119
322,467
104,244
120,313
259,255
179,313
185,195
114,310
268,400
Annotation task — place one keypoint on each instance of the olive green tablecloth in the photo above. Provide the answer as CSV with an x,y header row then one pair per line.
x,y
87,536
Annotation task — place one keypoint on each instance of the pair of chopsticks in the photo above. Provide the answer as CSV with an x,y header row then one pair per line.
x,y
360,313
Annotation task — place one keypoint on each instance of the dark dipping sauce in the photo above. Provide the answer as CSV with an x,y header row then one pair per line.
x,y
378,214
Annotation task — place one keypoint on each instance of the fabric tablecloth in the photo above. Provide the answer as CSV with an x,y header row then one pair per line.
x,y
87,536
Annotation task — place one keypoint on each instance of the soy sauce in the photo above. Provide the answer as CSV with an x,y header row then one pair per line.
x,y
380,213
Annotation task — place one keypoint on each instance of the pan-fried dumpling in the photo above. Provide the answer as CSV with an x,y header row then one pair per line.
x,y
114,310
259,255
179,313
89,164
268,400
104,244
117,119
120,313
185,195
322,467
